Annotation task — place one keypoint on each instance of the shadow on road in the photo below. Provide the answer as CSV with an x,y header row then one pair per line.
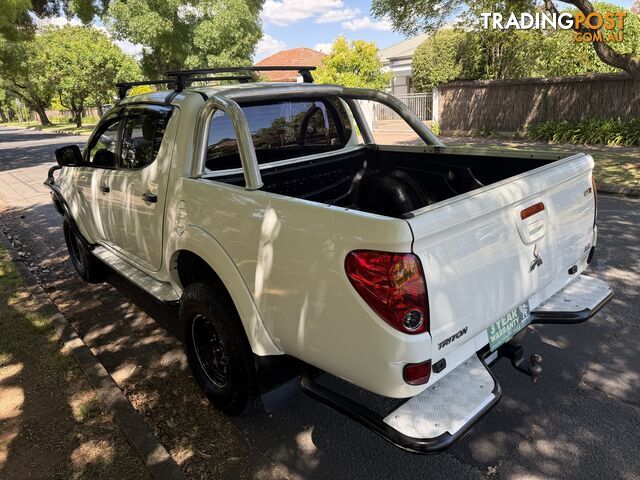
x,y
21,148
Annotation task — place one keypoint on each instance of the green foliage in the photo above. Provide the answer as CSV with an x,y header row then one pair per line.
x,y
354,64
445,56
511,53
435,127
471,54
23,66
83,65
177,35
14,17
592,130
563,56
414,16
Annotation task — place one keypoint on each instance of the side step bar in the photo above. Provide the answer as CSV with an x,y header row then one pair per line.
x,y
431,421
575,303
161,290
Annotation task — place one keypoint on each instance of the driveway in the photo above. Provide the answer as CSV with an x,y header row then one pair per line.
x,y
581,420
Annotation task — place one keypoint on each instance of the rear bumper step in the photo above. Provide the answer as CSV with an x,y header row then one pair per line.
x,y
575,303
431,421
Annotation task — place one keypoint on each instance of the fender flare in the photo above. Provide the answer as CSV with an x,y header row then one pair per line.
x,y
63,208
199,242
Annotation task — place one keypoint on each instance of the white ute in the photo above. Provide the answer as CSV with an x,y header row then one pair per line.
x,y
296,245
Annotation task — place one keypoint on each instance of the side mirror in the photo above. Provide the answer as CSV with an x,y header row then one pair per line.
x,y
69,155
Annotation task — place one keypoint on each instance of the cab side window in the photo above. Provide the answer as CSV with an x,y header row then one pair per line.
x,y
102,150
144,128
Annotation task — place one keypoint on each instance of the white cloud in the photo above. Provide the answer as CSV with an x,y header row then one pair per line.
x,y
129,48
268,46
54,21
338,15
323,47
366,23
286,12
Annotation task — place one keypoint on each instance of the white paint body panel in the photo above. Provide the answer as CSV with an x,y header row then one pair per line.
x,y
476,262
282,259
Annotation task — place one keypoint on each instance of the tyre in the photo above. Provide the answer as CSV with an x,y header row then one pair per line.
x,y
217,348
88,267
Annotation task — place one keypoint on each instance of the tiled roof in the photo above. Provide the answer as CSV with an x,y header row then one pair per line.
x,y
295,56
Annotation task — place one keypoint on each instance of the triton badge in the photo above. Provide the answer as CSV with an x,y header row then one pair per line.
x,y
452,338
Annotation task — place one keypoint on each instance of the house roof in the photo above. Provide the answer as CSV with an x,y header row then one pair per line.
x,y
294,56
403,49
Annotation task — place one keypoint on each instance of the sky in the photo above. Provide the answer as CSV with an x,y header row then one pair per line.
x,y
316,23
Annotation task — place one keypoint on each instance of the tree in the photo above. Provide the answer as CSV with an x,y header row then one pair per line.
x,y
23,66
561,56
445,56
353,64
202,33
412,16
84,65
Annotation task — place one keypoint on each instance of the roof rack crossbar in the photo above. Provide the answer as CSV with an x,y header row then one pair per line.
x,y
183,76
240,78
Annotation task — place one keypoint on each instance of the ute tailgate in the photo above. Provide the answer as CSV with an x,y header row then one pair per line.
x,y
488,252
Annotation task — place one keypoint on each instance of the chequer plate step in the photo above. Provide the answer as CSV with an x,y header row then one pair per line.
x,y
448,405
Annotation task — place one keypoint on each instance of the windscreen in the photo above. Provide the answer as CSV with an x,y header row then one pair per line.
x,y
280,130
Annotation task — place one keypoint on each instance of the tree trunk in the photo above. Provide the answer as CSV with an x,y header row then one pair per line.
x,y
99,108
78,117
606,54
3,117
42,114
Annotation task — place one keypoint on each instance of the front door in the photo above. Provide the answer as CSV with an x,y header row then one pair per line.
x,y
133,215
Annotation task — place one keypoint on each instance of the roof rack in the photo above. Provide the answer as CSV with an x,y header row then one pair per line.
x,y
184,78
240,78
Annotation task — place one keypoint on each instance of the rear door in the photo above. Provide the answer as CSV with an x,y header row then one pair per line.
x,y
132,210
492,253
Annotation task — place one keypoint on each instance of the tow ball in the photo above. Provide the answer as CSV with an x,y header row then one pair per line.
x,y
515,353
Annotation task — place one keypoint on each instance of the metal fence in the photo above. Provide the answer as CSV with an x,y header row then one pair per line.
x,y
419,103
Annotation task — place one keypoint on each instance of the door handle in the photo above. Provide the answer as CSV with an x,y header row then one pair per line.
x,y
105,188
150,197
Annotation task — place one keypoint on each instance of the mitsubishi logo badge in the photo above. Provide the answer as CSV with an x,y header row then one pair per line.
x,y
537,260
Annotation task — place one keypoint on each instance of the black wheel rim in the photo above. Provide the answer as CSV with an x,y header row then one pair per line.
x,y
75,248
210,351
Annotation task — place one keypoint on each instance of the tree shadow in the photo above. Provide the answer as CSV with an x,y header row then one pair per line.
x,y
21,148
51,422
535,430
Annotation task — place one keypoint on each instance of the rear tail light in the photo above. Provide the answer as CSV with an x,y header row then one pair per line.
x,y
417,373
393,285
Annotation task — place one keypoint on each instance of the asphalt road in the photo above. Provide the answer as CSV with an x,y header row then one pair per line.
x,y
581,420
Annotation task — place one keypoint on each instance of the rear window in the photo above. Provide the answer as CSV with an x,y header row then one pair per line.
x,y
280,130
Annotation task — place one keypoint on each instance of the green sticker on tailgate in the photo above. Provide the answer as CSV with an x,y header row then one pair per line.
x,y
508,325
